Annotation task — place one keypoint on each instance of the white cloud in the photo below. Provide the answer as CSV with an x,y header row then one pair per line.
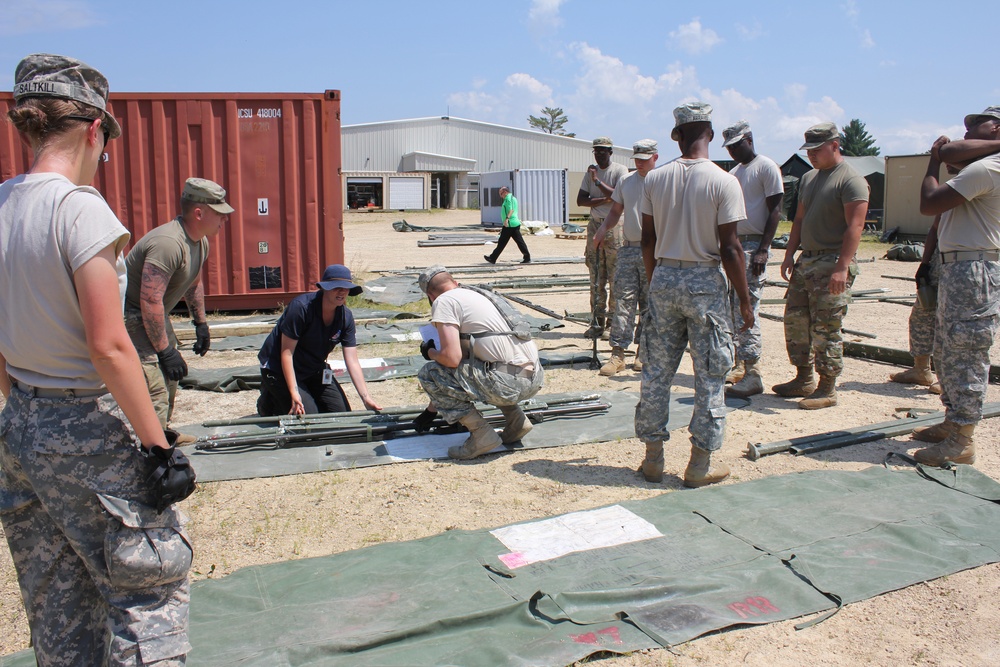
x,y
693,38
866,39
46,16
520,95
545,14
751,32
853,15
910,138
825,109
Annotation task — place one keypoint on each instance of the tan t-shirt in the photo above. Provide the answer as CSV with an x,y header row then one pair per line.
x,y
473,313
823,194
688,200
628,193
610,177
759,179
974,225
49,228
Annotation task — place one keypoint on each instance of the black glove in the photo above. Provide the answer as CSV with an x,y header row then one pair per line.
x,y
425,346
423,422
204,337
173,478
173,364
923,274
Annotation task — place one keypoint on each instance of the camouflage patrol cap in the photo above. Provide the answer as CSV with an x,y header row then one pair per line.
x,y
819,134
428,274
204,191
50,75
734,133
691,112
603,142
989,112
644,149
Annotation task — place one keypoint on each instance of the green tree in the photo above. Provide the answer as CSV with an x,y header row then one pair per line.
x,y
551,121
855,140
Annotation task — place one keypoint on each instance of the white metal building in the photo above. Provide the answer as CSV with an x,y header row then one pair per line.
x,y
450,153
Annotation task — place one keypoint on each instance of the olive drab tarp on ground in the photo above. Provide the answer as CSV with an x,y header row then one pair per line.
x,y
635,575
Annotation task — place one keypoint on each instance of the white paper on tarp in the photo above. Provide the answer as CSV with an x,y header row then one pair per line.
x,y
426,446
402,338
430,332
578,531
374,362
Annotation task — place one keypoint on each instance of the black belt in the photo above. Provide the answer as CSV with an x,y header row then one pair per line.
x,y
45,392
685,264
820,253
970,256
511,369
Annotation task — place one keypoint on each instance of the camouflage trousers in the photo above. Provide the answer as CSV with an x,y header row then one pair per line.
x,y
748,345
103,577
967,318
922,320
686,306
813,316
454,391
630,288
601,265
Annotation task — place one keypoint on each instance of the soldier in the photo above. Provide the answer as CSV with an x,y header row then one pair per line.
x,y
690,211
595,193
630,285
164,267
828,225
968,307
760,180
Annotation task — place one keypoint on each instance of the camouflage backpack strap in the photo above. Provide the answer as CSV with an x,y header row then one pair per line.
x,y
519,326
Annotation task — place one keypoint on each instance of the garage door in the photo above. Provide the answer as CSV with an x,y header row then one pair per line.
x,y
406,192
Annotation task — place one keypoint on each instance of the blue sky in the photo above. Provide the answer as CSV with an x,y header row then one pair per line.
x,y
617,68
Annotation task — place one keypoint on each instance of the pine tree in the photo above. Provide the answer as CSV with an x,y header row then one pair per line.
x,y
855,140
552,121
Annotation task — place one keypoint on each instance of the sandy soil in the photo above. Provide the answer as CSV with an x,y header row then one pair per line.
x,y
951,621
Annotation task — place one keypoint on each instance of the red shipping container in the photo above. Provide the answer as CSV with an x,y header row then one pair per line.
x,y
277,155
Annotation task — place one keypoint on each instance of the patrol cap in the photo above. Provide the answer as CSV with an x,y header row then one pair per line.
x,y
819,134
204,191
338,276
991,112
734,133
691,112
603,142
644,149
49,75
425,278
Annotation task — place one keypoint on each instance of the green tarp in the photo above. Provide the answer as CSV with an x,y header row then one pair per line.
x,y
639,574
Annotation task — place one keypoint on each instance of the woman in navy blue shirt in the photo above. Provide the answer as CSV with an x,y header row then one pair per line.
x,y
295,378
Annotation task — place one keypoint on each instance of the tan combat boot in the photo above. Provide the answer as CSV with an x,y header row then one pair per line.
x,y
652,465
803,384
482,438
921,372
637,364
825,395
935,388
751,384
936,433
596,329
516,424
615,364
956,448
736,373
700,471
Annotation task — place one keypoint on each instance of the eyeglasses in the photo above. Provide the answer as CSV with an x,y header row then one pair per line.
x,y
104,128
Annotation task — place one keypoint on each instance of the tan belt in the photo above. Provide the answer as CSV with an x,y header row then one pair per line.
x,y
43,392
750,237
511,369
631,244
684,264
970,256
819,253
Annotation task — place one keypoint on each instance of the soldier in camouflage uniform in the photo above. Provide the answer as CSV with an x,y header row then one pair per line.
x,y
828,225
968,311
101,557
595,193
690,211
480,359
630,285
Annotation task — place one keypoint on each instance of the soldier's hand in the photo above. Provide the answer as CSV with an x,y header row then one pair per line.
x,y
422,423
838,281
172,477
173,364
746,311
786,268
426,347
203,338
759,260
923,275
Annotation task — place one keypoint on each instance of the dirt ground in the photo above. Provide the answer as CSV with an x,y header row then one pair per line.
x,y
950,621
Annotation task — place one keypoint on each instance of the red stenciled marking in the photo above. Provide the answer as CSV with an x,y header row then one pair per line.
x,y
593,639
753,606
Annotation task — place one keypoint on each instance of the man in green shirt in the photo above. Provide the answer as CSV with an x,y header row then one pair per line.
x,y
511,229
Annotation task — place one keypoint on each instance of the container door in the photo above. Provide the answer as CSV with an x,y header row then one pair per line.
x,y
406,192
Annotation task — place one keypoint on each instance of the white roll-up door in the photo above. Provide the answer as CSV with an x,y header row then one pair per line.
x,y
406,192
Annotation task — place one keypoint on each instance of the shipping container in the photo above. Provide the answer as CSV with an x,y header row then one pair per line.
x,y
541,194
903,176
277,155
